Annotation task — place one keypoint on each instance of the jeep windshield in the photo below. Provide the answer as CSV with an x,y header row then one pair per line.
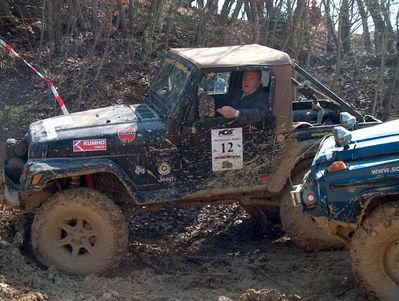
x,y
168,84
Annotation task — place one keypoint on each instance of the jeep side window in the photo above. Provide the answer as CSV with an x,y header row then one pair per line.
x,y
215,83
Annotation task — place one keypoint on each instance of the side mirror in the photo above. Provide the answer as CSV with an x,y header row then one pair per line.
x,y
206,106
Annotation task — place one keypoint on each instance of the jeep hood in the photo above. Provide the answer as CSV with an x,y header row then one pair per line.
x,y
379,140
92,132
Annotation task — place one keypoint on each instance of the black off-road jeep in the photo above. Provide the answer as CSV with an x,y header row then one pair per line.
x,y
77,172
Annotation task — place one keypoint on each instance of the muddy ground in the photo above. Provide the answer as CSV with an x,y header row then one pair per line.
x,y
209,253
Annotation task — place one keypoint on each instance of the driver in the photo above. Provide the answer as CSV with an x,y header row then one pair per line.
x,y
252,105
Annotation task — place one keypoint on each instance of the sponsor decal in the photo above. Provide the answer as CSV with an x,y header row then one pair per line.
x,y
139,170
164,168
127,135
378,171
225,132
89,145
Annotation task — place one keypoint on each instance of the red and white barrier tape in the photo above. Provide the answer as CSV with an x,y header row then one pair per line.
x,y
50,84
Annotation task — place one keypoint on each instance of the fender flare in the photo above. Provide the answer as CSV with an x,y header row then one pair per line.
x,y
365,200
53,169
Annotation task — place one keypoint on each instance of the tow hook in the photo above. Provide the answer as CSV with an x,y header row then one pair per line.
x,y
296,195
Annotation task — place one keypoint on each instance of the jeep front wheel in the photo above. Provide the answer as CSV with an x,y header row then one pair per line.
x,y
374,252
300,227
80,231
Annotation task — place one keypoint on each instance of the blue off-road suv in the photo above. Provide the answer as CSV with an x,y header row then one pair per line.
x,y
352,191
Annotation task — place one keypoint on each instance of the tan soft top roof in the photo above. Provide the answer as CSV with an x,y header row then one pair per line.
x,y
230,56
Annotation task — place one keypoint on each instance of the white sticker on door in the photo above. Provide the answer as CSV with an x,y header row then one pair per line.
x,y
227,151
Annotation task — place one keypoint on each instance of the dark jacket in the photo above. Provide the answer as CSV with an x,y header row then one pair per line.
x,y
253,107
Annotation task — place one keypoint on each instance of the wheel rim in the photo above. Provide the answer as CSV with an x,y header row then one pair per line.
x,y
77,237
391,260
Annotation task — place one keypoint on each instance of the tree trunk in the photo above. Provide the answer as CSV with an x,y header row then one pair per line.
x,y
330,24
381,86
338,65
299,23
255,21
379,24
151,24
394,95
200,3
171,17
276,12
237,9
386,12
122,17
366,34
94,22
247,11
50,25
226,8
345,26
290,23
205,15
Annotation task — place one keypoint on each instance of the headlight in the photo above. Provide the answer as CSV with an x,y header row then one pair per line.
x,y
309,197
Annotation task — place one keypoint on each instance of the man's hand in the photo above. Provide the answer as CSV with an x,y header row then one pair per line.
x,y
227,111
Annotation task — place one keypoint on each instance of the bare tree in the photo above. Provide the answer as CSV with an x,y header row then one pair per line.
x,y
226,9
170,20
237,9
253,11
205,16
344,26
330,23
366,34
149,27
122,18
273,11
379,24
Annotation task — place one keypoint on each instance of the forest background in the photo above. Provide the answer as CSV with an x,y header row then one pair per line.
x,y
102,52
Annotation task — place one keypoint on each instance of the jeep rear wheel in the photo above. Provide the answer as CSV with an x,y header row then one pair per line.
x,y
300,227
374,252
80,231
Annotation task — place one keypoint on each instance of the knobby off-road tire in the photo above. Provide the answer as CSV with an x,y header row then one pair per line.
x,y
80,231
374,251
300,227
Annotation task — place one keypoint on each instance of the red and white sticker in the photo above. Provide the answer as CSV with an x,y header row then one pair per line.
x,y
89,145
127,135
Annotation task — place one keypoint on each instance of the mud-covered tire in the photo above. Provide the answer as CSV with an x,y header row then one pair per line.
x,y
300,227
80,231
374,252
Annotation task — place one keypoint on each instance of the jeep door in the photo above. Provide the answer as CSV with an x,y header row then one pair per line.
x,y
219,153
